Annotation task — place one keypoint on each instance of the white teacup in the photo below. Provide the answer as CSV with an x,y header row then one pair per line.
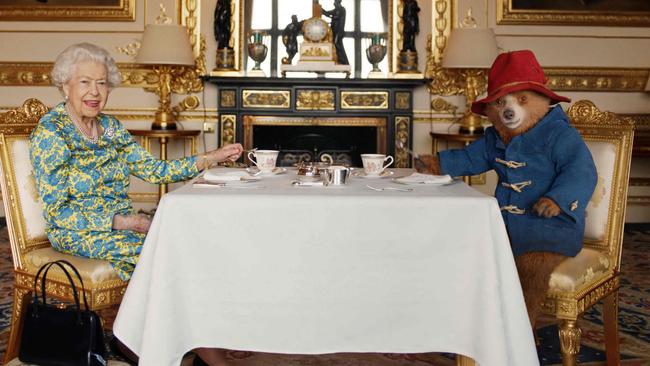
x,y
264,159
373,164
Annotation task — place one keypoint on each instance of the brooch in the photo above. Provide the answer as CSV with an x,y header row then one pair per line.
x,y
109,132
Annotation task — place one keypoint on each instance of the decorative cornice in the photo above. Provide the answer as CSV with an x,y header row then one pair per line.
x,y
600,79
123,12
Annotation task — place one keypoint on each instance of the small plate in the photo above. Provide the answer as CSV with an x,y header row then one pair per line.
x,y
254,171
384,174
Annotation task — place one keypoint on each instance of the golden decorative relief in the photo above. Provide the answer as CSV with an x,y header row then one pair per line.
x,y
313,121
227,98
364,100
228,129
402,135
439,105
120,10
597,79
130,49
25,74
31,111
570,337
315,52
266,98
315,99
639,200
507,15
402,100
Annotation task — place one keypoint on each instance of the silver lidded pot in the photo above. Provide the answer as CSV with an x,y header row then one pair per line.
x,y
310,171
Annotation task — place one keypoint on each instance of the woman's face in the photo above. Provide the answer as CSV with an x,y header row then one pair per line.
x,y
87,90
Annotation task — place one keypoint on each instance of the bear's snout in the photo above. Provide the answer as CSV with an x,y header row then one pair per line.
x,y
508,114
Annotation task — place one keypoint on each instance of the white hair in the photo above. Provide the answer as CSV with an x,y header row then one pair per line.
x,y
65,63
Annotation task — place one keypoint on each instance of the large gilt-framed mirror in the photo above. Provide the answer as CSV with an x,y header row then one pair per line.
x,y
363,18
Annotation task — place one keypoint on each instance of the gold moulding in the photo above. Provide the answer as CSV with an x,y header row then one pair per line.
x,y
133,75
402,127
450,82
124,11
266,98
315,100
365,100
402,100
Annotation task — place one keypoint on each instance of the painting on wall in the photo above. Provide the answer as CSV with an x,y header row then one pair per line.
x,y
67,10
629,13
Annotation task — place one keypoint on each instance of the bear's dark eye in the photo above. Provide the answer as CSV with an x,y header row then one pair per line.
x,y
523,99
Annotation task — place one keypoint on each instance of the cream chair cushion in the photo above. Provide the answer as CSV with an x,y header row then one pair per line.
x,y
572,274
30,203
95,270
604,154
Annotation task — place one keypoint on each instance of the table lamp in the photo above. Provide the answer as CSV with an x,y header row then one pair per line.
x,y
471,50
166,46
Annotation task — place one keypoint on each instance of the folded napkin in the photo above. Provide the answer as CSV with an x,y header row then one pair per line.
x,y
225,174
419,178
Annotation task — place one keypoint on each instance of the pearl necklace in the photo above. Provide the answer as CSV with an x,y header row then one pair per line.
x,y
89,133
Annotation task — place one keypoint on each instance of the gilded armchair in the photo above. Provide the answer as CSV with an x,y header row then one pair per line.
x,y
593,275
30,247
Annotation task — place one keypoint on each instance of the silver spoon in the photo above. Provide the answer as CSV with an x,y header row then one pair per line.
x,y
390,189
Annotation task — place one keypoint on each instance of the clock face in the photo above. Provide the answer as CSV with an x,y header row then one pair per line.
x,y
315,29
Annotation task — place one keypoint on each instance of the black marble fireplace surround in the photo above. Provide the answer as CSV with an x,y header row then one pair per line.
x,y
304,118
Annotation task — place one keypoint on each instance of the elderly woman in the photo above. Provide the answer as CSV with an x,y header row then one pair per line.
x,y
82,161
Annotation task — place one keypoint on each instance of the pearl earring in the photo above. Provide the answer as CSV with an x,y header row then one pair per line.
x,y
66,97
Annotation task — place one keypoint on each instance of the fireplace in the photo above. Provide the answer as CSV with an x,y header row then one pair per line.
x,y
307,139
306,118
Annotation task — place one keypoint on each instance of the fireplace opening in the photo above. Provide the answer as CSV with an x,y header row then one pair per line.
x,y
308,143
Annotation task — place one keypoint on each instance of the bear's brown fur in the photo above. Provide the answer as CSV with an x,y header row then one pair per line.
x,y
511,115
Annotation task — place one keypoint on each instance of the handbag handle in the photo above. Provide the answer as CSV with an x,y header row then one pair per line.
x,y
46,267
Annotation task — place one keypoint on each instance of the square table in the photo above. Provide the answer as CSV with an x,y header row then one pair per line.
x,y
312,270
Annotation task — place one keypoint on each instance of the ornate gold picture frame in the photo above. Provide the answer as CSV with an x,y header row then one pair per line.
x,y
66,10
627,13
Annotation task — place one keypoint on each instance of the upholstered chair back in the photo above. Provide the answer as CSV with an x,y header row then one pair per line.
x,y
593,275
609,138
23,208
26,226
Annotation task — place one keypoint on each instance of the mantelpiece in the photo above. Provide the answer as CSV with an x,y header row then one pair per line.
x,y
385,106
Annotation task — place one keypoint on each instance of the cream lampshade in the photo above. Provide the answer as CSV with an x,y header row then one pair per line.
x,y
471,50
166,46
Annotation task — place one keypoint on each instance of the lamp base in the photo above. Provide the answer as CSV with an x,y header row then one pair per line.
x,y
164,120
165,126
471,124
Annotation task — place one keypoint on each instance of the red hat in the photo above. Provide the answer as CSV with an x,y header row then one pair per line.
x,y
514,71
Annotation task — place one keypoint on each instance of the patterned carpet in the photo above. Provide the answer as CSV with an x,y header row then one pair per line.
x,y
634,322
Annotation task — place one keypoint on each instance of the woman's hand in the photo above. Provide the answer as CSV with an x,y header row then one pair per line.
x,y
139,223
230,152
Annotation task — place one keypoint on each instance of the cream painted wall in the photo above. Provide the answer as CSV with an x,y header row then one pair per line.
x,y
555,46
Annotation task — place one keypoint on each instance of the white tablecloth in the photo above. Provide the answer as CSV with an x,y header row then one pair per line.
x,y
312,270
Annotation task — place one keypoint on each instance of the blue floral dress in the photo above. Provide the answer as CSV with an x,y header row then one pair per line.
x,y
83,184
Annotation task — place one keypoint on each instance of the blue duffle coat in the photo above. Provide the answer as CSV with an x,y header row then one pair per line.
x,y
550,160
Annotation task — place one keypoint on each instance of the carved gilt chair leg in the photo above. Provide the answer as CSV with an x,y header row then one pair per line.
x,y
570,342
21,299
610,318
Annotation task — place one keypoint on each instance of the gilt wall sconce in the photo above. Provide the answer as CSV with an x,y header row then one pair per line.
x,y
469,53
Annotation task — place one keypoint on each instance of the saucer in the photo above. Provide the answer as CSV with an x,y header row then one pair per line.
x,y
256,172
384,174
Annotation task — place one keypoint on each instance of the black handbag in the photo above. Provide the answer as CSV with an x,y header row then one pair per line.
x,y
56,336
